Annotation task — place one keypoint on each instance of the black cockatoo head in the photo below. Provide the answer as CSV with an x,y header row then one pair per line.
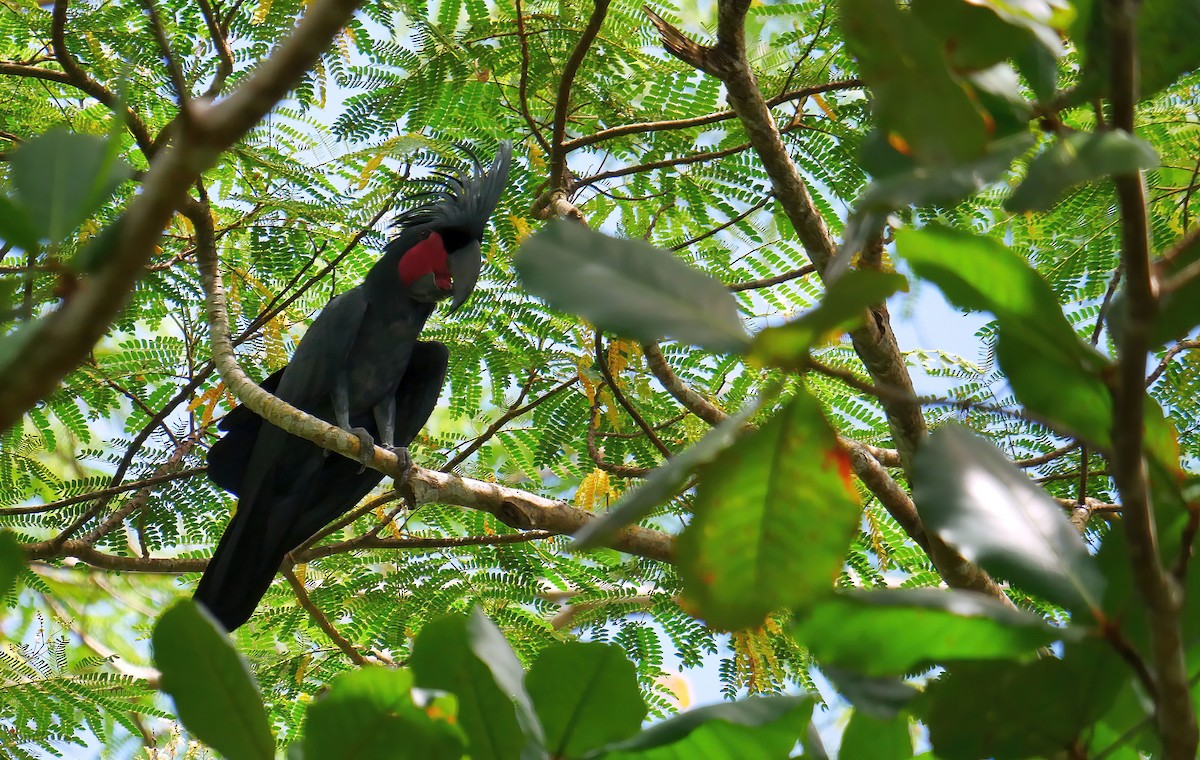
x,y
437,253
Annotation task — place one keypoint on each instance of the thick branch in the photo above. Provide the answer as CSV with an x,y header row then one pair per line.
x,y
59,342
1159,591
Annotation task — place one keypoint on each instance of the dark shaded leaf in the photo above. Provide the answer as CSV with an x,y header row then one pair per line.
x,y
1179,307
629,287
755,727
369,713
1075,159
882,698
902,630
16,226
62,177
586,695
664,482
972,710
870,738
212,687
1167,34
12,562
909,78
844,304
774,516
970,495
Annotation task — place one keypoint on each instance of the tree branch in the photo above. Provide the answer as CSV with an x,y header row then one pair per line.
x,y
1158,589
562,104
57,343
322,622
700,121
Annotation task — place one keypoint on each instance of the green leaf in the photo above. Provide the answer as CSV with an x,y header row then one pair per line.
x,y
445,657
903,630
903,64
212,687
369,713
1167,31
755,727
978,35
12,562
62,177
883,698
972,710
586,695
970,495
664,482
869,737
1179,307
1075,159
845,303
774,516
491,648
1035,340
16,227
922,186
629,287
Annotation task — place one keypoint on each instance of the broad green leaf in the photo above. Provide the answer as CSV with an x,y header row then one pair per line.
x,y
919,185
909,78
1055,385
1166,40
491,648
976,500
586,695
369,713
16,227
977,35
444,658
1039,66
12,562
1166,46
902,630
1179,307
750,728
774,515
870,738
971,711
1035,339
664,482
845,302
62,177
629,287
212,687
1078,158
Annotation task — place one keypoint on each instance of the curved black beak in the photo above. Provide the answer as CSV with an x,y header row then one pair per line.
x,y
464,265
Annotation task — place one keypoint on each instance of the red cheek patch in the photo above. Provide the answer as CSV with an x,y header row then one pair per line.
x,y
426,257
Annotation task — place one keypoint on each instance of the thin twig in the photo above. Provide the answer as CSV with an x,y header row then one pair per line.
x,y
562,103
602,364
323,622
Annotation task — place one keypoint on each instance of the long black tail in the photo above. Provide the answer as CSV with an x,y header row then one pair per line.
x,y
243,566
